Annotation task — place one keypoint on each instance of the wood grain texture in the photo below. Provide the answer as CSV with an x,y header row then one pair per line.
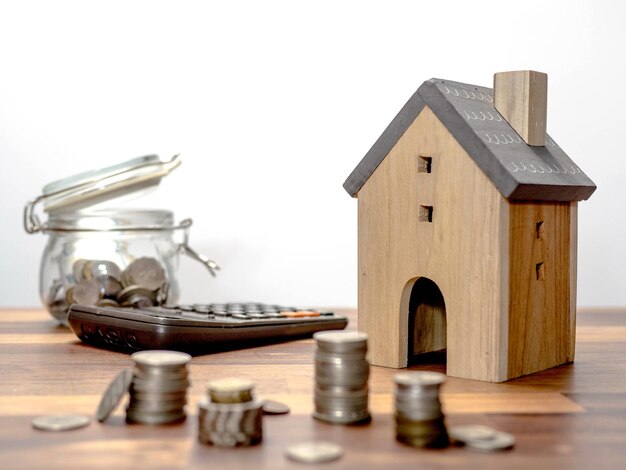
x,y
540,332
568,417
463,251
521,97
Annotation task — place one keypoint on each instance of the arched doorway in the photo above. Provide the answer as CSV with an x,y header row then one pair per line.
x,y
427,323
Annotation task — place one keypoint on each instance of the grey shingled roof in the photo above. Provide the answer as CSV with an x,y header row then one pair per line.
x,y
518,170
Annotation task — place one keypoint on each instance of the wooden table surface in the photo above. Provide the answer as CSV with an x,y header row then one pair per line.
x,y
573,416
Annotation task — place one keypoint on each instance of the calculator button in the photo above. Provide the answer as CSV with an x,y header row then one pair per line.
x,y
241,316
257,315
300,314
222,314
202,308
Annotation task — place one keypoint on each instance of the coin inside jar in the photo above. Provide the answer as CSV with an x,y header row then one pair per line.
x,y
146,272
86,292
101,268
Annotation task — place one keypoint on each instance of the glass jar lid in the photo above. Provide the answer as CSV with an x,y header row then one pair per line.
x,y
87,189
105,184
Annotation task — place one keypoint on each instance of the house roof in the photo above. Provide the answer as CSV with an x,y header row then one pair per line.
x,y
518,170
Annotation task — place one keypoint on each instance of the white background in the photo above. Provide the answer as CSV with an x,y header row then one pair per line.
x,y
272,105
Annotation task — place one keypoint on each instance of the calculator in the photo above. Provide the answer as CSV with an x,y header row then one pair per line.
x,y
197,329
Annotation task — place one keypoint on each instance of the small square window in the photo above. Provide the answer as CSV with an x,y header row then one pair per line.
x,y
539,229
424,164
425,214
541,271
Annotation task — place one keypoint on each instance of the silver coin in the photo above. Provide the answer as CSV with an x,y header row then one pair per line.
x,y
500,441
472,432
77,269
230,390
103,268
419,379
87,269
111,287
107,303
60,422
338,337
87,292
271,407
314,452
135,294
114,394
161,358
146,272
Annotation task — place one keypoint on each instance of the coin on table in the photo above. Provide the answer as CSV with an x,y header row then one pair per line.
x,y
314,452
60,422
500,441
471,432
271,407
114,394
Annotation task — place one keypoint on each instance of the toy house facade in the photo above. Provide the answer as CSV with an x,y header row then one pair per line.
x,y
467,234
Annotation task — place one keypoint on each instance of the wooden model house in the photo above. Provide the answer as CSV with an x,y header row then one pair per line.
x,y
467,231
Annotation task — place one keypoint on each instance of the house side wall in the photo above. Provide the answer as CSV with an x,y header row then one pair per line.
x,y
463,250
541,324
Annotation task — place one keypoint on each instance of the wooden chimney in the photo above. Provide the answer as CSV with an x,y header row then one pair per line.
x,y
521,98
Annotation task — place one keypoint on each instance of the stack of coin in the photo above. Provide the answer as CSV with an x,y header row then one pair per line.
x,y
341,375
419,418
102,283
230,416
158,393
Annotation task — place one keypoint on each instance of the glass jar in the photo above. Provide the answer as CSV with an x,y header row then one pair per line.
x,y
108,257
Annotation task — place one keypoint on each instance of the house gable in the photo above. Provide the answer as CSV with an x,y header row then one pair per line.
x,y
396,248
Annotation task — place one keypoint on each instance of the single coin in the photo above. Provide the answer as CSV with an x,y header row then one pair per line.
x,y
87,269
60,422
230,385
111,287
86,292
126,295
69,296
146,272
230,390
114,394
271,407
472,432
339,336
161,358
500,441
77,269
100,268
420,379
314,452
107,303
